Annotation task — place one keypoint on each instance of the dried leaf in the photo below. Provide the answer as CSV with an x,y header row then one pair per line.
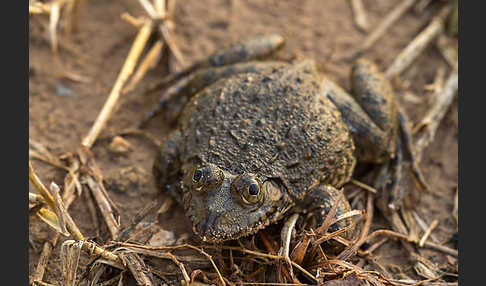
x,y
51,219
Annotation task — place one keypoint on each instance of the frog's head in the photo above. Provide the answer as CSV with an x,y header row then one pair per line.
x,y
225,206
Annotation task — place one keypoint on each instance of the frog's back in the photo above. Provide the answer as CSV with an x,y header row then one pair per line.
x,y
272,124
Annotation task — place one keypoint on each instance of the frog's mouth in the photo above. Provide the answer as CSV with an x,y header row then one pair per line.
x,y
217,215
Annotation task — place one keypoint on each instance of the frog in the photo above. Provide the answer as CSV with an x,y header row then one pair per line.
x,y
257,140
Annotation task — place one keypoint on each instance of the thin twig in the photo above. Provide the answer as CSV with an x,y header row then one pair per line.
x,y
40,187
363,186
429,230
123,235
335,235
373,247
286,234
133,246
42,283
138,269
423,225
271,283
136,22
48,245
42,263
455,213
159,6
425,130
92,211
55,216
104,206
256,253
149,8
418,45
36,199
59,209
386,23
244,250
70,225
413,231
36,7
40,152
300,249
149,60
70,252
68,12
91,247
360,18
330,215
347,215
180,265
396,235
94,249
151,138
448,51
348,252
53,21
164,31
421,5
126,71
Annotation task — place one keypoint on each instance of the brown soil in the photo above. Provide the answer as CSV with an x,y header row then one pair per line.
x,y
323,30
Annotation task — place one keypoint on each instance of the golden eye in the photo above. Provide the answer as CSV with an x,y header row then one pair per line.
x,y
248,188
207,177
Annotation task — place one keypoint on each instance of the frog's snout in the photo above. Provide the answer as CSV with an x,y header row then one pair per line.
x,y
207,229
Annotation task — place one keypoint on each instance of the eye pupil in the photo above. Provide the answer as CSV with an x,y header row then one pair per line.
x,y
253,189
197,175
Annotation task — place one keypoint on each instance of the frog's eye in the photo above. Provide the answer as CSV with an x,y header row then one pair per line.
x,y
196,177
254,189
253,194
207,177
248,189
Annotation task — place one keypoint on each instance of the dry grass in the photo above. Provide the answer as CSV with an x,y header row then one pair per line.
x,y
265,259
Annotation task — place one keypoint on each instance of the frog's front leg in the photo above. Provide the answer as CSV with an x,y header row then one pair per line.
x,y
319,202
167,166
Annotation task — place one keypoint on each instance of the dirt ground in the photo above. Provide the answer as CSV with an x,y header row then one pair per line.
x,y
61,112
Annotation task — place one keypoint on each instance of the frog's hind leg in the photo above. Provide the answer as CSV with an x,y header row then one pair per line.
x,y
378,128
375,95
370,140
179,94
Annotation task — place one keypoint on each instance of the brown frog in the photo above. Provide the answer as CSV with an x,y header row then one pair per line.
x,y
257,140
